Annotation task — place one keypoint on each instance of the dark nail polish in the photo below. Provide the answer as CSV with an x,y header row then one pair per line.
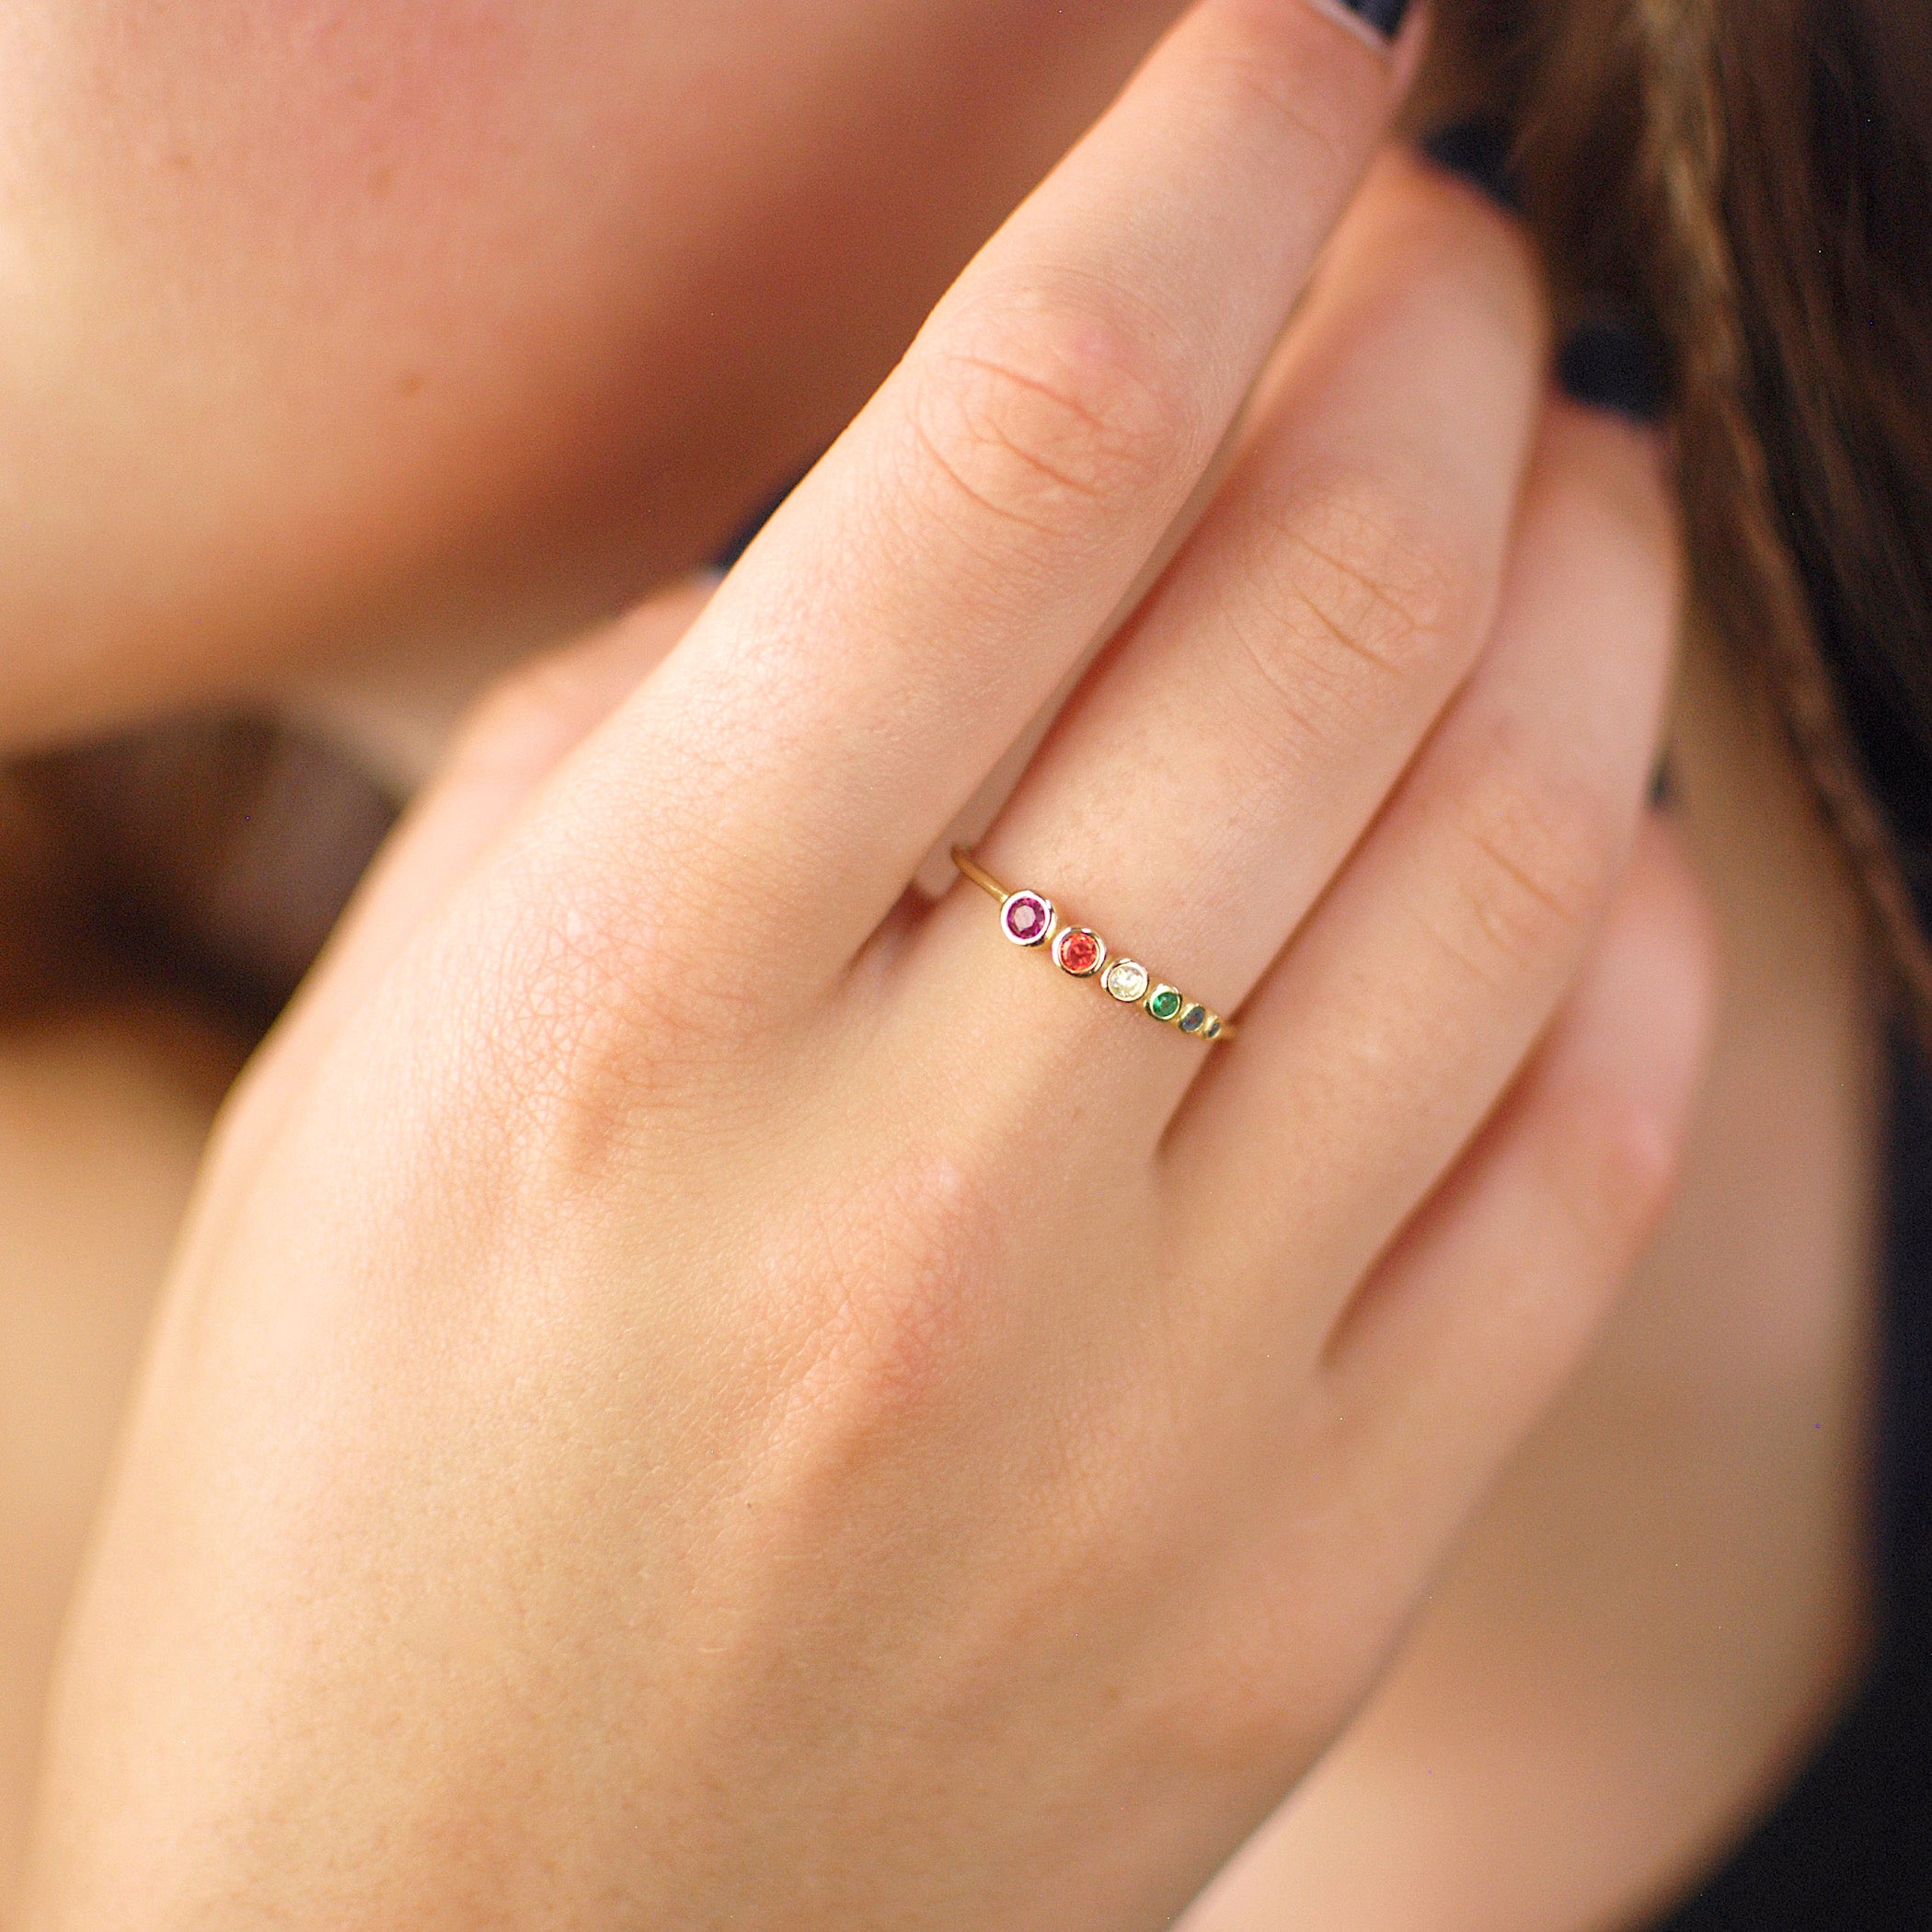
x,y
1384,16
1478,151
1609,363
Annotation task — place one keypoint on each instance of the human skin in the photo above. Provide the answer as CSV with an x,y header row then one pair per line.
x,y
1647,1621
372,344
1665,1602
764,1466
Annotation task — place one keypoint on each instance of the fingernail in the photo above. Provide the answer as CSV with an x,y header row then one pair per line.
x,y
1383,17
1609,363
1478,152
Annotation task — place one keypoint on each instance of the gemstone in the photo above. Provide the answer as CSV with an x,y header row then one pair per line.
x,y
1165,1002
1027,918
1193,1020
1126,979
1212,1029
1078,952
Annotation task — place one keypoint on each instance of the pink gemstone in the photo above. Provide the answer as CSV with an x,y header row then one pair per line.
x,y
1079,951
1027,918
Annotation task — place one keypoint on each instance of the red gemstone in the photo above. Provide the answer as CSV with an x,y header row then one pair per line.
x,y
1027,918
1079,952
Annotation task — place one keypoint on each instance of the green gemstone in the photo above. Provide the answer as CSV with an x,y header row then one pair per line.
x,y
1164,1002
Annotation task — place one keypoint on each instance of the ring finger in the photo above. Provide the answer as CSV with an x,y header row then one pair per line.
x,y
1215,768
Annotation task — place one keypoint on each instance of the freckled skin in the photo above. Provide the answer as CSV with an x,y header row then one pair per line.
x,y
326,327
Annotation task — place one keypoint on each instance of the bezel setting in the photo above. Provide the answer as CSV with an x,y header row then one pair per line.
x,y
1079,951
1029,920
1026,917
1165,1002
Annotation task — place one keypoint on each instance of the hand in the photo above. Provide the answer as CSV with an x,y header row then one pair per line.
x,y
701,1391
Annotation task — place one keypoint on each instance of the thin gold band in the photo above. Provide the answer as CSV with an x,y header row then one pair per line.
x,y
1028,918
975,870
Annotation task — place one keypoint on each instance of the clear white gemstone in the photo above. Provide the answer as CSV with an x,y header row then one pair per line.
x,y
1126,979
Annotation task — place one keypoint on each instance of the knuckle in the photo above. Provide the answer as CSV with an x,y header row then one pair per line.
x,y
1539,847
1627,1064
1039,415
571,976
1317,124
597,1019
896,1282
1618,1160
1359,592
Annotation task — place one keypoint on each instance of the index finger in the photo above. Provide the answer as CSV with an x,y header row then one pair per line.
x,y
927,588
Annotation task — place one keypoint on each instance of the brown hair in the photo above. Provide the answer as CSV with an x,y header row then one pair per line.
x,y
208,858
1748,181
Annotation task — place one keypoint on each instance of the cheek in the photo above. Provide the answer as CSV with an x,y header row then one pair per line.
x,y
299,165
313,293
261,210
347,319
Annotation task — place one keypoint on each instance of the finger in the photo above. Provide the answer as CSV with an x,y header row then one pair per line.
x,y
1218,767
1466,1332
918,598
523,729
1383,1036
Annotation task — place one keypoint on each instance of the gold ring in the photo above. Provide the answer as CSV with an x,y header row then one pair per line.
x,y
1029,919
